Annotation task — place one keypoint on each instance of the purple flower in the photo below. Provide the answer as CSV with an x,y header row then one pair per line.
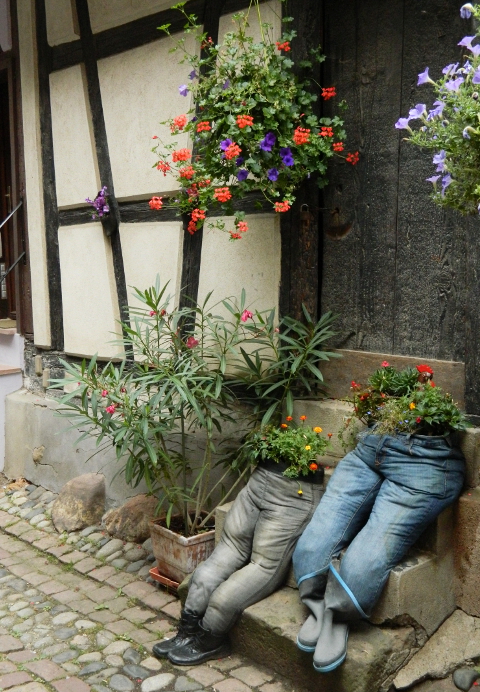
x,y
475,50
466,41
466,11
226,84
183,90
242,174
417,112
446,180
272,174
192,75
440,105
240,161
402,124
433,179
268,142
476,76
467,67
225,143
439,161
450,69
286,156
454,84
423,77
99,203
465,133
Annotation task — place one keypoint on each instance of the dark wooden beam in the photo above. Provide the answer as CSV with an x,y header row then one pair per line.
x,y
48,175
300,266
138,32
101,147
472,320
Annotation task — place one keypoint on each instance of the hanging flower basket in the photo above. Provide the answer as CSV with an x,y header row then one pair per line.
x,y
252,125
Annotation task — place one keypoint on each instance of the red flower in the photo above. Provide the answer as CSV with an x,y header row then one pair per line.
x,y
163,166
181,155
432,383
328,93
152,313
282,206
385,364
232,151
203,126
418,419
244,121
353,158
186,172
313,466
235,236
303,417
283,46
301,135
104,392
198,215
242,226
110,409
192,227
354,385
155,203
326,132
191,342
222,194
246,315
178,123
337,146
425,368
289,418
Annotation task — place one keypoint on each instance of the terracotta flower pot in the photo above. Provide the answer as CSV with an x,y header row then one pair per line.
x,y
176,555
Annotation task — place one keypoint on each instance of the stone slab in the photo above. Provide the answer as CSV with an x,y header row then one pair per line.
x,y
467,552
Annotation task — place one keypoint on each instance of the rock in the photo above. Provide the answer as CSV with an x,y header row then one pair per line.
x,y
90,668
131,655
130,522
81,503
135,554
119,563
465,677
136,672
135,566
454,643
157,682
121,683
65,656
183,684
109,548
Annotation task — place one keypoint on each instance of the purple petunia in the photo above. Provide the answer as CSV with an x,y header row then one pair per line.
x,y
240,161
451,69
433,179
286,156
446,180
226,84
440,105
193,74
466,41
417,112
100,203
476,76
454,84
225,143
272,174
439,160
402,124
183,90
466,11
242,174
423,77
268,142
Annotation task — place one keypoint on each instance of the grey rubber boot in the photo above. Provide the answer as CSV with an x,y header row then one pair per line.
x,y
311,592
187,627
203,646
340,609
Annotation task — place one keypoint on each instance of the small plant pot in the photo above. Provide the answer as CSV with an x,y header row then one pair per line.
x,y
177,555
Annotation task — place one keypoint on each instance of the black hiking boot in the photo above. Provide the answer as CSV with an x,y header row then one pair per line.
x,y
203,646
187,627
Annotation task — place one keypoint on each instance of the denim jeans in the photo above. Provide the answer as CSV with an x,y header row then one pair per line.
x,y
379,500
253,555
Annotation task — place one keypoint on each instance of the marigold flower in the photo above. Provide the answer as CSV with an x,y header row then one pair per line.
x,y
301,135
283,46
155,203
282,206
313,466
191,342
198,214
326,132
181,155
246,315
178,123
411,406
203,126
317,430
289,418
300,492
187,172
163,166
337,146
330,434
385,364
222,194
353,158
328,93
232,151
283,426
303,417
307,447
244,121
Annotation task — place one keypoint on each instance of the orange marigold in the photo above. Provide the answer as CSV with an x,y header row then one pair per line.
x,y
313,466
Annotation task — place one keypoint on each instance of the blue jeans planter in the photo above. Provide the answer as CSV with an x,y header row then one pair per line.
x,y
381,497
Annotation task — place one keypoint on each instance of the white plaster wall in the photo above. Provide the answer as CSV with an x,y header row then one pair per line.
x,y
150,249
108,13
90,304
76,172
60,22
33,173
270,13
252,263
139,89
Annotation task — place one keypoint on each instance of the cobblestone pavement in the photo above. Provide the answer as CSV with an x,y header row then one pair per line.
x,y
71,622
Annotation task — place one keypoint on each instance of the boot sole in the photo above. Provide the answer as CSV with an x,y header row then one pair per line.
x,y
305,647
221,652
331,666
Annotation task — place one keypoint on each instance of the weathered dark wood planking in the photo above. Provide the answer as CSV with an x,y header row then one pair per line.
x,y
430,274
299,232
133,34
48,174
363,44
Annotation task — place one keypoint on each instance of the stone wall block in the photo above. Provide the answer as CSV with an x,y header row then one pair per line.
x,y
470,445
467,552
81,503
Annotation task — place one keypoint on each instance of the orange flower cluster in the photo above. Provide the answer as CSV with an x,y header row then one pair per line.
x,y
232,151
222,194
326,132
337,146
198,214
301,135
187,172
181,155
203,126
242,226
163,166
155,203
244,121
192,227
328,93
179,123
283,46
282,206
353,158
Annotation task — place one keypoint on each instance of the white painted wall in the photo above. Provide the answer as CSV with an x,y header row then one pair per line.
x,y
60,22
90,304
33,173
270,13
105,14
76,172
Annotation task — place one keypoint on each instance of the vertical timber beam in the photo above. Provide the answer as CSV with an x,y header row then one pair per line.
x,y
192,244
111,224
48,174
301,246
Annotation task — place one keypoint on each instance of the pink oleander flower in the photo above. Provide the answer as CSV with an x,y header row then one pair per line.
x,y
110,409
246,315
191,342
104,392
